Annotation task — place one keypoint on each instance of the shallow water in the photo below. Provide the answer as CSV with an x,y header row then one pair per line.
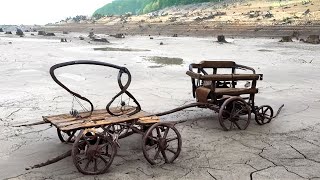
x,y
164,60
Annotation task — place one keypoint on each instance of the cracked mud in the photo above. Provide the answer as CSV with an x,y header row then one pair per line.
x,y
286,148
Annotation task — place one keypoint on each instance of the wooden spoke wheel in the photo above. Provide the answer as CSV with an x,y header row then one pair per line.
x,y
234,114
123,130
263,114
93,153
161,143
68,136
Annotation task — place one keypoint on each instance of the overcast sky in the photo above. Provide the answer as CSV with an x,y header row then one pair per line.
x,y
41,12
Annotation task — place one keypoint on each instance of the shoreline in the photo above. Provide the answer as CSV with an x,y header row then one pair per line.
x,y
192,30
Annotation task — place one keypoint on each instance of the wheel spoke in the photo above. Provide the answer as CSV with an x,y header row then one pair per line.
x,y
166,133
95,168
81,159
87,165
163,152
172,151
156,155
151,147
231,125
153,138
236,123
103,159
102,146
158,132
171,139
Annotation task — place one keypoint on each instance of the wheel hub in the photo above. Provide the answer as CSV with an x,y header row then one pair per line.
x,y
92,152
162,144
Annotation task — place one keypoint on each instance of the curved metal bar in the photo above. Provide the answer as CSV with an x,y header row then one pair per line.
x,y
121,71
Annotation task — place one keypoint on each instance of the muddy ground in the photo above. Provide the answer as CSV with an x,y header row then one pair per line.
x,y
286,148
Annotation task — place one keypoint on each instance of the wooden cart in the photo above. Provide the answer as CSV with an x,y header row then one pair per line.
x,y
95,133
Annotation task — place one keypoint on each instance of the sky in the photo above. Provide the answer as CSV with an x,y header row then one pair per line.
x,y
40,12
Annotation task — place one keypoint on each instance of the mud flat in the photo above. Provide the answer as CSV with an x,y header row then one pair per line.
x,y
286,148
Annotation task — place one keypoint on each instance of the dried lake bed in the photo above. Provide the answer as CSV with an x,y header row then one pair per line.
x,y
286,148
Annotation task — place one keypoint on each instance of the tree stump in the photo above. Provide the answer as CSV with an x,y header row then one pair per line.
x,y
19,32
41,33
91,34
313,39
286,39
49,34
295,34
221,39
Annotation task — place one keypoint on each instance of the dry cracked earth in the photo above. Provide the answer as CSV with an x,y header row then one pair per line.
x,y
286,148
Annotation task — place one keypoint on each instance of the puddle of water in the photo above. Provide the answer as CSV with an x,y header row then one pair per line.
x,y
164,60
118,49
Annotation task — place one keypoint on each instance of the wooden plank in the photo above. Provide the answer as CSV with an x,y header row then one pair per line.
x,y
68,117
104,122
149,120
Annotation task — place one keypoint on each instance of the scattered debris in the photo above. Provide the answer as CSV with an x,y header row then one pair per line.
x,y
65,32
175,35
8,32
81,37
306,12
63,40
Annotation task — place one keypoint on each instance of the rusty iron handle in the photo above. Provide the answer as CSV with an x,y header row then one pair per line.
x,y
88,62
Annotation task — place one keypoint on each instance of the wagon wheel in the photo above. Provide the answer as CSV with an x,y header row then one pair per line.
x,y
264,114
234,113
68,136
93,153
161,143
123,130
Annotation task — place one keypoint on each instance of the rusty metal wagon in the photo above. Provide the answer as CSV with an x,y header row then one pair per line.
x,y
95,133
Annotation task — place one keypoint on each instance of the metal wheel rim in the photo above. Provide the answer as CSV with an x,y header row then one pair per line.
x,y
234,119
64,136
161,145
264,114
87,155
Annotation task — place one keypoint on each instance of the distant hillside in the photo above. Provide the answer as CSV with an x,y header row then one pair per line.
x,y
119,7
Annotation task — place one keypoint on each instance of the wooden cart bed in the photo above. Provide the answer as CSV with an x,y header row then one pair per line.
x,y
67,122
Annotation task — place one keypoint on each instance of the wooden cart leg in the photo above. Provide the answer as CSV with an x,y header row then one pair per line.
x,y
93,153
166,143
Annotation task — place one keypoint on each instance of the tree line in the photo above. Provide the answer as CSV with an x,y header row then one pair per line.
x,y
120,7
